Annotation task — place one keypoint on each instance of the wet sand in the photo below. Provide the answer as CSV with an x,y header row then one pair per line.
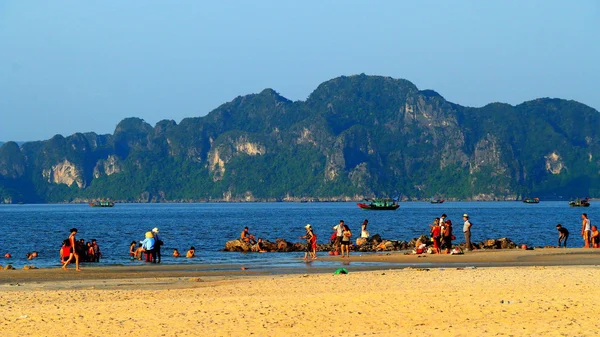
x,y
521,293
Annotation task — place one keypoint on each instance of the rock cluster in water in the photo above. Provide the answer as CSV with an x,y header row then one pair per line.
x,y
372,244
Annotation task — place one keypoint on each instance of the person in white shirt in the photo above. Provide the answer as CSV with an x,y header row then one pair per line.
x,y
443,221
586,229
467,231
339,228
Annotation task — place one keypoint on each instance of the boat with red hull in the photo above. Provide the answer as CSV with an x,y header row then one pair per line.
x,y
379,204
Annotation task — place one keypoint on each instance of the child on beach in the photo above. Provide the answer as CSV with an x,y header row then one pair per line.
x,y
595,237
139,252
132,249
90,252
65,251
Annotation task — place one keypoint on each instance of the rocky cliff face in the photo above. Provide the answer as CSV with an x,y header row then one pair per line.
x,y
354,136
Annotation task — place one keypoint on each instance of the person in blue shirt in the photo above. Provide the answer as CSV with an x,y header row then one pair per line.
x,y
148,246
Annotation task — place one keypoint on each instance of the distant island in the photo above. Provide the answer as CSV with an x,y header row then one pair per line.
x,y
354,137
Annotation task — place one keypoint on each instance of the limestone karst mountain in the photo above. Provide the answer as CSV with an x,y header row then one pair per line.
x,y
354,136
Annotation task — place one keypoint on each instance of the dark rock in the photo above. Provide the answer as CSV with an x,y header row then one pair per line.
x,y
283,246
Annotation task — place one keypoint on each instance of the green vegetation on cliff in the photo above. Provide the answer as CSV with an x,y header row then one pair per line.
x,y
354,136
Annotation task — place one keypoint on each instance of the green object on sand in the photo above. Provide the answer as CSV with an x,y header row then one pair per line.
x,y
340,271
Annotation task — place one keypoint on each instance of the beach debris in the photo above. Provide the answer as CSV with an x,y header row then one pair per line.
x,y
340,271
196,279
9,267
14,284
305,275
422,269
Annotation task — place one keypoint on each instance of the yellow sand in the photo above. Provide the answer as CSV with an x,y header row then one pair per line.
x,y
518,301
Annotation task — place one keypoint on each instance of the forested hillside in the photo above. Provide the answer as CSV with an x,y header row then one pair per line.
x,y
356,136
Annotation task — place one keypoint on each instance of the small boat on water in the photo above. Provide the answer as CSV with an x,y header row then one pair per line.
x,y
532,200
380,204
102,204
580,202
437,201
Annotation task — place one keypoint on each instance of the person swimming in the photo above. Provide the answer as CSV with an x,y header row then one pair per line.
x,y
191,253
176,253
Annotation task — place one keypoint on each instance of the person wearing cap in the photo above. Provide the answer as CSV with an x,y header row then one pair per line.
x,y
467,231
157,244
148,246
309,243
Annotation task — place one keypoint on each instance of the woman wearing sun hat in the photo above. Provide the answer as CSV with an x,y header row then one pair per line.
x,y
309,242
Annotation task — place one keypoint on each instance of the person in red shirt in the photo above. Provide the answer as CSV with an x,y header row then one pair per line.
x,y
436,235
65,251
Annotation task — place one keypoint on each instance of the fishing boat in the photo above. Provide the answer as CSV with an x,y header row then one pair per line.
x,y
532,200
437,201
580,202
102,204
379,204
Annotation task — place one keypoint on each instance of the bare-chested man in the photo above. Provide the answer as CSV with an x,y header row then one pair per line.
x,y
247,237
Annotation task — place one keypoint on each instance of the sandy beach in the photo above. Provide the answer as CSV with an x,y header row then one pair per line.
x,y
519,293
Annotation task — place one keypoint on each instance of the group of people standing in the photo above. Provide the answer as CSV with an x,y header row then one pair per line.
x,y
589,233
149,247
78,250
442,234
343,236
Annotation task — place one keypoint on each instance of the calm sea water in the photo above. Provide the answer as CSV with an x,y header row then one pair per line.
x,y
207,226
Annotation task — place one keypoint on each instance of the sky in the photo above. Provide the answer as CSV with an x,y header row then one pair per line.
x,y
81,66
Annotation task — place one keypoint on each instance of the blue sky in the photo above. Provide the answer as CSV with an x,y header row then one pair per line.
x,y
79,66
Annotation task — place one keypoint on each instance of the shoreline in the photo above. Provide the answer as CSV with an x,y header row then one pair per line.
x,y
545,257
